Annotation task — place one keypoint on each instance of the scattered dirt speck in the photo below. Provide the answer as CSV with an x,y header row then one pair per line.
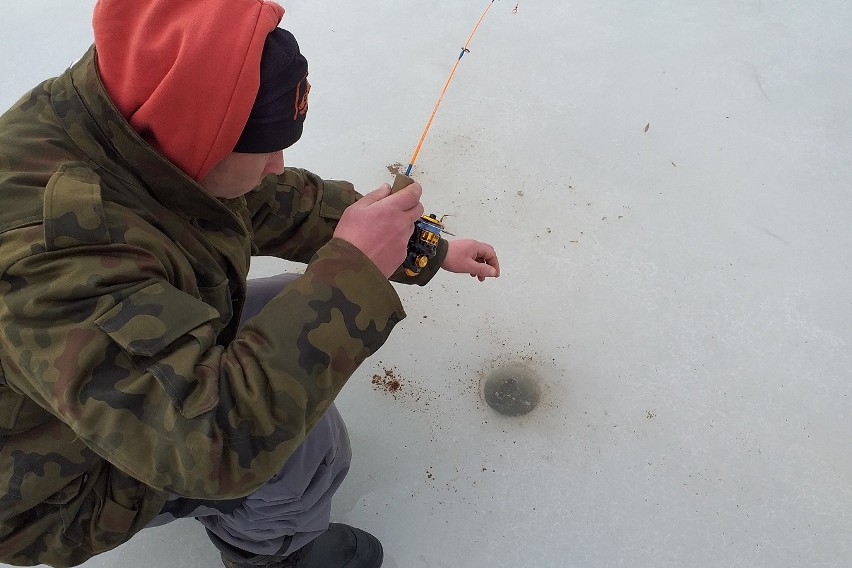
x,y
387,382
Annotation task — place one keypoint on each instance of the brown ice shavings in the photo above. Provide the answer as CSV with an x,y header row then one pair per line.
x,y
387,382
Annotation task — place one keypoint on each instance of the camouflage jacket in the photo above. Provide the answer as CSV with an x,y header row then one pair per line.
x,y
122,375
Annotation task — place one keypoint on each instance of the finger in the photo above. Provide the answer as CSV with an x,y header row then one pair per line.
x,y
484,271
488,256
416,212
406,198
377,194
483,263
494,263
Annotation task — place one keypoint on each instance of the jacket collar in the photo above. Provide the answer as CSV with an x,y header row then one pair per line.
x,y
111,143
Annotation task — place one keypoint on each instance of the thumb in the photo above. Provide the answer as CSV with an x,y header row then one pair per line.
x,y
377,194
485,270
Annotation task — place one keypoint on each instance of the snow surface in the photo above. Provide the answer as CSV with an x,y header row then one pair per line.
x,y
667,184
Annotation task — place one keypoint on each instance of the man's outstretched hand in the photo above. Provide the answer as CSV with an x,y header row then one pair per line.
x,y
476,258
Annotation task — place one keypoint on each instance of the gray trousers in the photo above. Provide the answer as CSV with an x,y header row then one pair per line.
x,y
293,507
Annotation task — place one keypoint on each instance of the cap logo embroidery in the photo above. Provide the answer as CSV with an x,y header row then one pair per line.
x,y
302,98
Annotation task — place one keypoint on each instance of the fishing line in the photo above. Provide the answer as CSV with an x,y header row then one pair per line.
x,y
464,50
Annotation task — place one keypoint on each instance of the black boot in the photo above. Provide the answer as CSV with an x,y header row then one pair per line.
x,y
341,546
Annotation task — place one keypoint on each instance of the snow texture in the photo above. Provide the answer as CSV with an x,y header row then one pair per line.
x,y
667,185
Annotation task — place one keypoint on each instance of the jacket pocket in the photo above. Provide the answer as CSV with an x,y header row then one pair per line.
x,y
70,491
167,332
336,197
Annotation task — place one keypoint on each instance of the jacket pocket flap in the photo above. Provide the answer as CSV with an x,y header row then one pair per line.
x,y
153,318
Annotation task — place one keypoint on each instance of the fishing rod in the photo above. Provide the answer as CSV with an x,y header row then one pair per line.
x,y
403,179
423,244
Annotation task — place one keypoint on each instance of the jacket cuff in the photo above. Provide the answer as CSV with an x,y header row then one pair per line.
x,y
428,272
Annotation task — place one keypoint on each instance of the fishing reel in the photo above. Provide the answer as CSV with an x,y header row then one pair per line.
x,y
423,244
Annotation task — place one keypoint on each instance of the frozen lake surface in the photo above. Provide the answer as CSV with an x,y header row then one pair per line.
x,y
668,187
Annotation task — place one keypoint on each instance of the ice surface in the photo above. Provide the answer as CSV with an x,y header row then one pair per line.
x,y
668,186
